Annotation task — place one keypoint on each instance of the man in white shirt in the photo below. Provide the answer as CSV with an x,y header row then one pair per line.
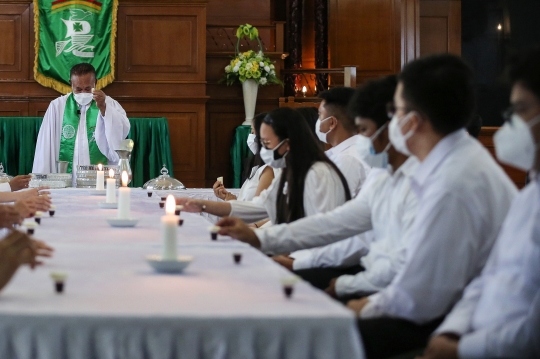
x,y
336,127
499,313
463,197
83,127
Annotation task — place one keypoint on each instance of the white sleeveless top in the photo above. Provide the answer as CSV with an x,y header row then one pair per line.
x,y
247,192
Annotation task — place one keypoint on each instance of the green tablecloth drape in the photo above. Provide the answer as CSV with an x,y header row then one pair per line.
x,y
152,150
239,152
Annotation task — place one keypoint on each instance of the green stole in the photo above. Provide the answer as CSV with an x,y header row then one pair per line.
x,y
70,126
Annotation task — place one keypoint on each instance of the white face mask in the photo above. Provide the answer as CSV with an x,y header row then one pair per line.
x,y
268,156
399,140
321,135
514,143
252,144
83,98
372,158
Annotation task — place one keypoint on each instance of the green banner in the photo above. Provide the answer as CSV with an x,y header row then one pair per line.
x,y
69,32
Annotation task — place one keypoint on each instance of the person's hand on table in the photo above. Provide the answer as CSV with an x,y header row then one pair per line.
x,y
19,182
34,192
356,305
190,204
25,207
9,216
331,290
442,347
42,249
100,97
17,248
42,203
236,228
284,260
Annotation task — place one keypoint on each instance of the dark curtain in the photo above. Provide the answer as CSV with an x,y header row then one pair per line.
x,y
321,42
294,44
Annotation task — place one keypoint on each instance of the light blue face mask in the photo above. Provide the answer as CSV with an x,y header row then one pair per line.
x,y
368,154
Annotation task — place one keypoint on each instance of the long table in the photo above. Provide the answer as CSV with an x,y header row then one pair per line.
x,y
115,306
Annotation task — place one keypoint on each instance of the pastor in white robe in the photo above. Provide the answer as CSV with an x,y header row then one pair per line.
x,y
111,129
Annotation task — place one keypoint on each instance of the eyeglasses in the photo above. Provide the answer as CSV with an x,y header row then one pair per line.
x,y
517,108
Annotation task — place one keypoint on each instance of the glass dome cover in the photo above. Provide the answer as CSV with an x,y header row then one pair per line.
x,y
164,182
4,177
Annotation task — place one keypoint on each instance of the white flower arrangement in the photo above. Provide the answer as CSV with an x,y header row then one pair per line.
x,y
250,64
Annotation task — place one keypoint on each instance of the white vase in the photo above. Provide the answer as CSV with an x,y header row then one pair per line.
x,y
249,87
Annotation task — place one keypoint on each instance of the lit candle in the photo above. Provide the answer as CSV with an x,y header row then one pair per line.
x,y
304,91
169,223
111,188
100,178
124,198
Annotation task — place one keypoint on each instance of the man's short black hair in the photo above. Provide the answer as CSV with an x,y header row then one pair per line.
x,y
440,87
336,101
82,69
524,67
370,100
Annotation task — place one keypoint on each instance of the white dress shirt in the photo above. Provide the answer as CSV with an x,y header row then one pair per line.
x,y
386,204
111,129
323,191
463,198
249,187
348,160
499,314
5,187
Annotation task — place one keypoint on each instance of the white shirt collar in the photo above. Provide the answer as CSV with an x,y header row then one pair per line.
x,y
342,146
437,155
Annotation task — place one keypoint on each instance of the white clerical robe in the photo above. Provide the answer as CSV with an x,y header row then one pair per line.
x,y
111,129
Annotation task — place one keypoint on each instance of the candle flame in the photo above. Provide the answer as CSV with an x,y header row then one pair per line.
x,y
170,204
111,173
124,179
100,167
499,27
304,89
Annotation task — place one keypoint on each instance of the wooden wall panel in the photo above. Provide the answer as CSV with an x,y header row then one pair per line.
x,y
366,34
238,12
161,43
440,27
14,40
14,108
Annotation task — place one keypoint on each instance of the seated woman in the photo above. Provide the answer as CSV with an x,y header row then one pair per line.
x,y
309,182
258,174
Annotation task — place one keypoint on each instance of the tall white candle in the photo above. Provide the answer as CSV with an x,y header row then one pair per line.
x,y
124,198
111,188
100,178
169,225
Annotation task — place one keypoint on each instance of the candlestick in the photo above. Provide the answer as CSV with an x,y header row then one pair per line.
x,y
304,91
100,178
124,199
111,188
169,223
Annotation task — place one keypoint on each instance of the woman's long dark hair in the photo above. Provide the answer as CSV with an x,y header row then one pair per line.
x,y
255,159
303,153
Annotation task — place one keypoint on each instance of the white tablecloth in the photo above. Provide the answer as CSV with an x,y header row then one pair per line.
x,y
115,306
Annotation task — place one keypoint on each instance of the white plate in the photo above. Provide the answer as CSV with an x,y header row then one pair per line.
x,y
108,205
168,266
118,222
95,192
